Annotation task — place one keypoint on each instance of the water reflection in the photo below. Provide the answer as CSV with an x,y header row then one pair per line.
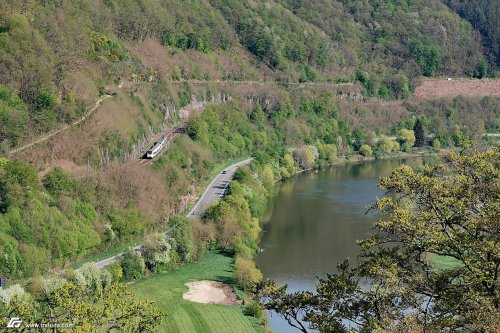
x,y
314,221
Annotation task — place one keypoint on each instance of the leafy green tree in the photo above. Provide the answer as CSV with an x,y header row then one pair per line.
x,y
304,157
246,273
13,117
450,209
366,150
90,308
133,265
406,138
58,182
181,234
358,138
427,57
156,252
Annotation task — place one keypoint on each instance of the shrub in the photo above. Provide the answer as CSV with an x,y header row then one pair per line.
x,y
436,144
116,271
156,252
246,273
58,182
366,150
132,265
406,138
254,309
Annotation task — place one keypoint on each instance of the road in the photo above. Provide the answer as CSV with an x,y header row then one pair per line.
x,y
214,191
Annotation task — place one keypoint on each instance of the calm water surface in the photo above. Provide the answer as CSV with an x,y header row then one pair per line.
x,y
313,223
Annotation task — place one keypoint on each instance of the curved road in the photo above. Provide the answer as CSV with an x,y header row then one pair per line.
x,y
214,191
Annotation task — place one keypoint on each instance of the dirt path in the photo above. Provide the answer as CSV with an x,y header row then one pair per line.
x,y
441,88
65,127
210,292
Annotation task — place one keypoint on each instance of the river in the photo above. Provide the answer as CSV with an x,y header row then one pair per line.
x,y
314,221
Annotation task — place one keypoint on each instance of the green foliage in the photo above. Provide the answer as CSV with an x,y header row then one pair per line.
x,y
116,272
448,210
83,302
133,265
128,223
254,309
427,57
103,48
406,138
246,273
180,232
13,117
156,252
418,129
57,182
304,157
366,150
483,15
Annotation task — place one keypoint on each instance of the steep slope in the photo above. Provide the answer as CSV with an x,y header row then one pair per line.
x,y
484,15
59,56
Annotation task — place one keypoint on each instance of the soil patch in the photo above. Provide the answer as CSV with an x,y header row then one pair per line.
x,y
440,88
210,292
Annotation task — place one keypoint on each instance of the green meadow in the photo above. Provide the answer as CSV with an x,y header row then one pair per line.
x,y
183,316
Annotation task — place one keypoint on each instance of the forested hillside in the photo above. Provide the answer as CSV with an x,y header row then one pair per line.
x,y
57,56
484,15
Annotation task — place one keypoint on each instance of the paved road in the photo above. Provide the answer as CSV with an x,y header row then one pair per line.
x,y
214,191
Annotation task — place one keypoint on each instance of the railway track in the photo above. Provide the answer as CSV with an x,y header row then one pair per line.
x,y
143,161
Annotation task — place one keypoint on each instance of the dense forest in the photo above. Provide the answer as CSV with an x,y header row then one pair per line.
x,y
484,15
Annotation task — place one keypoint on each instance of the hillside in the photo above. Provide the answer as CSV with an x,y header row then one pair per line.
x,y
484,15
57,57
312,72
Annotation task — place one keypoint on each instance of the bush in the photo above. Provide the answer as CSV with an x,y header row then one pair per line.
x,y
182,235
406,138
156,252
246,273
366,150
58,182
254,309
132,265
116,271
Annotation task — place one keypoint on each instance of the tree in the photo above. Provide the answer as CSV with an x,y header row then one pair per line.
x,y
13,116
110,308
133,265
450,210
366,150
182,237
304,157
58,182
246,273
156,251
418,129
406,138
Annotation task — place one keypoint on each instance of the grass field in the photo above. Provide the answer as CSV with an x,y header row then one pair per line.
x,y
444,262
183,316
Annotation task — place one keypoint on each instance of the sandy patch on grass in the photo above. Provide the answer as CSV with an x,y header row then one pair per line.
x,y
210,292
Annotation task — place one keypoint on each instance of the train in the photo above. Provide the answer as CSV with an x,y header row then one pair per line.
x,y
157,147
